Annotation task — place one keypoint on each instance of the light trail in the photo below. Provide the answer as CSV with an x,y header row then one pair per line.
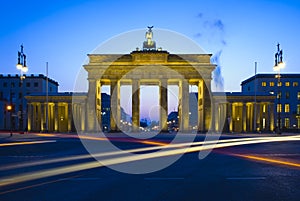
x,y
26,143
123,152
269,160
125,159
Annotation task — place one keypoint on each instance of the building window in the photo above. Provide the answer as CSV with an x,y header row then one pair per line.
x,y
287,108
298,109
286,122
295,84
272,84
298,121
36,84
248,88
279,94
287,84
264,84
27,84
4,84
279,84
20,95
287,95
12,84
279,108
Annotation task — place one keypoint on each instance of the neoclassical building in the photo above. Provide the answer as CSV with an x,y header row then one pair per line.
x,y
243,112
59,112
89,112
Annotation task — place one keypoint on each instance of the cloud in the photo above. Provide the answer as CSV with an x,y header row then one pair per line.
x,y
213,33
218,24
218,80
200,15
198,35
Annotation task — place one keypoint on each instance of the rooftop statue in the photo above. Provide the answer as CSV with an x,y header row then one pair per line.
x,y
149,44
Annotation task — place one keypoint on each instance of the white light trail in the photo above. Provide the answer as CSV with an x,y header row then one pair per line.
x,y
180,148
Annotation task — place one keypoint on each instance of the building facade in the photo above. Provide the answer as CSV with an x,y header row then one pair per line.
x,y
13,90
286,88
243,112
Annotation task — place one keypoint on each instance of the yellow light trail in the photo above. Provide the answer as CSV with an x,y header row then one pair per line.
x,y
114,153
125,159
269,160
26,143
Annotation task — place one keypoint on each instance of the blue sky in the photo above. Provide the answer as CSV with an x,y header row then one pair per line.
x,y
64,32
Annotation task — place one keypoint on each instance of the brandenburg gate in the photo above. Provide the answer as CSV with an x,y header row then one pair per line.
x,y
149,66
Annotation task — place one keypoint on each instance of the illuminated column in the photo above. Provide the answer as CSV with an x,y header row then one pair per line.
x,y
29,118
91,106
83,117
214,121
56,117
223,117
114,105
43,113
184,96
200,106
207,104
244,117
271,112
135,105
98,103
34,117
230,117
163,104
69,116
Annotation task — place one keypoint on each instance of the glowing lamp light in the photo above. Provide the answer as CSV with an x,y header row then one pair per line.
x,y
281,65
19,66
24,69
9,107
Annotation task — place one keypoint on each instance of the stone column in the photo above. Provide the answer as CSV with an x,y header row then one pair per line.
x,y
184,96
34,117
244,117
214,120
69,116
99,104
200,106
56,117
271,112
29,118
114,105
43,116
230,117
83,117
135,105
163,88
207,104
91,106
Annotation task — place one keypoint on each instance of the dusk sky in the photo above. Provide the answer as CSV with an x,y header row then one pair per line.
x,y
64,32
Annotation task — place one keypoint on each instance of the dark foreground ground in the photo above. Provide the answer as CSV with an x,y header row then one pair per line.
x,y
259,171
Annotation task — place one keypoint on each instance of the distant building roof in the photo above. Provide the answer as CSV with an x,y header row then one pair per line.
x,y
31,76
290,75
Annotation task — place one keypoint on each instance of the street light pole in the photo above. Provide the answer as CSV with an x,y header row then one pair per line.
x,y
278,65
21,65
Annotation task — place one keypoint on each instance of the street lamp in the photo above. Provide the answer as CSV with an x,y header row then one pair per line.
x,y
278,65
21,66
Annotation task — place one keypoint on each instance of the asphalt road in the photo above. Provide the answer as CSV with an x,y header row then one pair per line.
x,y
264,171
